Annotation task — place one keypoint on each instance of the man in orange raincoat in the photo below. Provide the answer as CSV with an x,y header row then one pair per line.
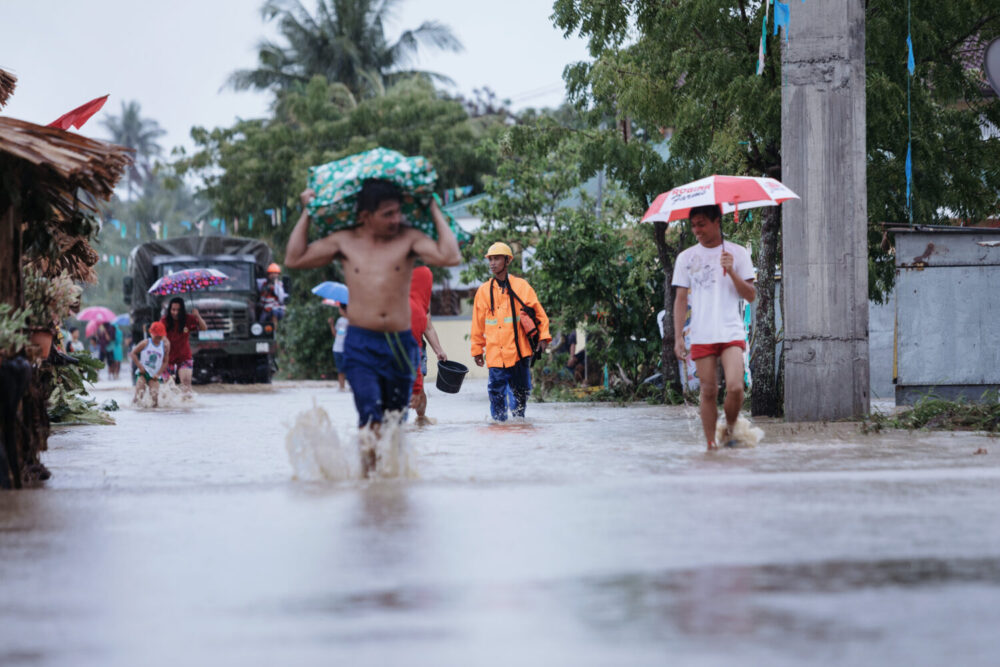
x,y
509,326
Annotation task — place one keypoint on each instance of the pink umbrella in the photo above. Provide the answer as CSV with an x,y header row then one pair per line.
x,y
92,327
96,314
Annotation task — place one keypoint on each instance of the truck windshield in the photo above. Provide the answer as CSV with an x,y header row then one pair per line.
x,y
240,274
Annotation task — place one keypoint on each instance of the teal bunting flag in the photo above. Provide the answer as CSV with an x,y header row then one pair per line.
x,y
781,17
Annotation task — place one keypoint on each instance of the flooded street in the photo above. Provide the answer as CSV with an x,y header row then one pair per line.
x,y
592,535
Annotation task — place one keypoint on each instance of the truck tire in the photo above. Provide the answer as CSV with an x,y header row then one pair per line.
x,y
263,372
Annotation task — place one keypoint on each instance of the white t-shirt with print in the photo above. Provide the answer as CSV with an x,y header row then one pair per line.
x,y
714,301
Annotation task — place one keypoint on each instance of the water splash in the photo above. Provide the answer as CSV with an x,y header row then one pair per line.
x,y
170,396
394,455
314,448
318,452
744,433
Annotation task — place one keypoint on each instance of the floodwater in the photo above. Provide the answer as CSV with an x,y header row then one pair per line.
x,y
591,535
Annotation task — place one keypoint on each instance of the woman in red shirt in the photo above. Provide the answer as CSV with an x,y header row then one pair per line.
x,y
179,324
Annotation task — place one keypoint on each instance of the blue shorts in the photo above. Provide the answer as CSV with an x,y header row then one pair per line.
x,y
381,368
338,361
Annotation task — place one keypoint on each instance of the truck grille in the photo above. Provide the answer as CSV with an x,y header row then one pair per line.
x,y
233,323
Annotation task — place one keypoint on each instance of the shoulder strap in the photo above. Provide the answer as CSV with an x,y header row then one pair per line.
x,y
514,295
514,325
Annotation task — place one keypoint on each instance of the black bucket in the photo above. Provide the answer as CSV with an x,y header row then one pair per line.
x,y
450,376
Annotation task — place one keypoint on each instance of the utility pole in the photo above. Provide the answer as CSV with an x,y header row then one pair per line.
x,y
825,234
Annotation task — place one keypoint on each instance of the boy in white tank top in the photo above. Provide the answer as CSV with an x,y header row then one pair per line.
x,y
150,359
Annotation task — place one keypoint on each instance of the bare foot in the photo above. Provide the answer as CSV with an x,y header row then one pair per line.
x,y
368,461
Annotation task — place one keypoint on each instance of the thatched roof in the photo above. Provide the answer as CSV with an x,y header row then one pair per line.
x,y
61,161
7,83
62,176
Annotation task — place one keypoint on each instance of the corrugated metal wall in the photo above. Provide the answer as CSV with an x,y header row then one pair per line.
x,y
947,312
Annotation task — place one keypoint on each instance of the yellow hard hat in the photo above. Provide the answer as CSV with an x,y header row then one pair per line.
x,y
499,248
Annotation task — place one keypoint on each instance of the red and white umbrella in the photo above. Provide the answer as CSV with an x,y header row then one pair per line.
x,y
731,193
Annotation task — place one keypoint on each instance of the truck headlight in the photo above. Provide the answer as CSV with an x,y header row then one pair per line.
x,y
256,329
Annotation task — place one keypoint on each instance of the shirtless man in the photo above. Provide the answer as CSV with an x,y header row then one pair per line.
x,y
377,257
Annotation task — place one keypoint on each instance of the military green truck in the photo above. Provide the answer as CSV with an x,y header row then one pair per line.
x,y
235,348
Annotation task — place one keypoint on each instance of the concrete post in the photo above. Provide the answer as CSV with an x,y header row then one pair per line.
x,y
824,236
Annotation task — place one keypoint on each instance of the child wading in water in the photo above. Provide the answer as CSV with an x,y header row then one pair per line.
x,y
715,276
150,359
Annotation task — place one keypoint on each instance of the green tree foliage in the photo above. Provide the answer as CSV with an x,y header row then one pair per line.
x,y
305,341
260,164
956,173
343,41
140,134
588,262
690,66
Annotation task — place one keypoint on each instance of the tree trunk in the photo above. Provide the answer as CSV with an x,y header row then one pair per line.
x,y
671,371
765,397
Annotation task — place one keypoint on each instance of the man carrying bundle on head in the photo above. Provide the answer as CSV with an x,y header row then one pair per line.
x,y
377,257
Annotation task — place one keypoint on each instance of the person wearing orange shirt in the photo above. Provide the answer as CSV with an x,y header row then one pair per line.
x,y
500,315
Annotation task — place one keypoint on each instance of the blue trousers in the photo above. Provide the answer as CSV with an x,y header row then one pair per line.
x,y
517,380
380,367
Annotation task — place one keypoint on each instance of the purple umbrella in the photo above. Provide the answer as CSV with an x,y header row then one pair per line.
x,y
188,280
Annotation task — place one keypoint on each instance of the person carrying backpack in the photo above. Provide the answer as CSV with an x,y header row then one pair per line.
x,y
509,327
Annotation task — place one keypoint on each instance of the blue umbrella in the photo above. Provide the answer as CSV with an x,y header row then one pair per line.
x,y
122,320
332,291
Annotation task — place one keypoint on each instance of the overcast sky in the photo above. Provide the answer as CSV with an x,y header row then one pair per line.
x,y
173,57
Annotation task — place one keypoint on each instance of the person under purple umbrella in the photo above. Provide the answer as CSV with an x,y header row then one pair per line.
x,y
179,324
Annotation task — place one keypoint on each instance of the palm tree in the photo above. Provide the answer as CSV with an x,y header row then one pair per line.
x,y
130,129
343,41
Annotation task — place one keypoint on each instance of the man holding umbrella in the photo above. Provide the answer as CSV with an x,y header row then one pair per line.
x,y
713,276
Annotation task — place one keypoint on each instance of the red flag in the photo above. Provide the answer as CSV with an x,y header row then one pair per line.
x,y
80,115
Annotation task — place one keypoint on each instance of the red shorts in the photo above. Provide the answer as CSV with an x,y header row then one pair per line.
x,y
189,364
714,349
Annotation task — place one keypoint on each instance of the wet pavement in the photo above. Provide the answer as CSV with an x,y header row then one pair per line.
x,y
592,535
